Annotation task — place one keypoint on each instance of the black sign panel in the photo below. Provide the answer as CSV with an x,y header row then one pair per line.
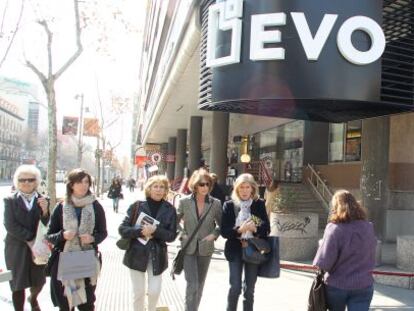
x,y
331,88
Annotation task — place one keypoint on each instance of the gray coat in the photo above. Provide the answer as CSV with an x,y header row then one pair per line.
x,y
21,226
187,212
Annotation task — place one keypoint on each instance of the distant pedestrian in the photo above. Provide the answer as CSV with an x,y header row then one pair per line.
x,y
131,184
23,211
76,224
217,191
198,254
271,195
244,217
347,255
147,256
115,193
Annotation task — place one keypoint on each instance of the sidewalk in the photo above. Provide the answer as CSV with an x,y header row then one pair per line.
x,y
287,293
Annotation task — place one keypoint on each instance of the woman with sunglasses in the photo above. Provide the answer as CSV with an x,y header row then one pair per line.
x,y
22,213
192,209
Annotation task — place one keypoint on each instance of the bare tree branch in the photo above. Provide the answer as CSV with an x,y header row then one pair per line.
x,y
39,74
78,43
14,32
49,35
4,16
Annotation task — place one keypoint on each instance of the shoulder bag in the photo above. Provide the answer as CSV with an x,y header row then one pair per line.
x,y
125,243
271,268
255,251
317,296
178,262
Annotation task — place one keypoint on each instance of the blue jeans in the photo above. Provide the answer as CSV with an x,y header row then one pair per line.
x,y
115,203
353,299
250,278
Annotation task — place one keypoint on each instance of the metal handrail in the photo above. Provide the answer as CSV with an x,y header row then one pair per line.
x,y
319,186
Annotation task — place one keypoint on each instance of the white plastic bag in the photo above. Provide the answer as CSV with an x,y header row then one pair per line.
x,y
40,248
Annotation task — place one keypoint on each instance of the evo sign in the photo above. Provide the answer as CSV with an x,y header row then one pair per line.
x,y
301,59
227,16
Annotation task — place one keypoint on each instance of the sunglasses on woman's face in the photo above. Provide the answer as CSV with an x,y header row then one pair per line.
x,y
23,180
202,184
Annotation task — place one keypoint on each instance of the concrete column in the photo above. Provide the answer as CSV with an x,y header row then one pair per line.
x,y
180,153
374,170
194,150
219,142
163,163
172,141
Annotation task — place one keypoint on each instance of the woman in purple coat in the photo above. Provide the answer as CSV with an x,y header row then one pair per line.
x,y
347,255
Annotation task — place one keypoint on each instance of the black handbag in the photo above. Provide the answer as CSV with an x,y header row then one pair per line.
x,y
317,295
125,243
271,268
178,261
51,261
110,194
255,251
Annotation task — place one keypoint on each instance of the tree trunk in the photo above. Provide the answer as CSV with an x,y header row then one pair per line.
x,y
103,166
98,167
51,165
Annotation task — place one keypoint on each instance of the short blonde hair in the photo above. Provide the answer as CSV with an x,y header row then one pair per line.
x,y
197,177
244,178
154,180
27,169
346,208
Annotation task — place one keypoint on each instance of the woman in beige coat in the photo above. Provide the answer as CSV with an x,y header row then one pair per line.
x,y
198,254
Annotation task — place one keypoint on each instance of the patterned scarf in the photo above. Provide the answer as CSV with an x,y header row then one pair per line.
x,y
244,214
74,290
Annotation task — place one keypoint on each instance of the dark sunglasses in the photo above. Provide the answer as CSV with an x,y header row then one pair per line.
x,y
22,180
202,184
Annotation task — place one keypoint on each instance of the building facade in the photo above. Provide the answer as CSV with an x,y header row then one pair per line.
x,y
11,132
209,99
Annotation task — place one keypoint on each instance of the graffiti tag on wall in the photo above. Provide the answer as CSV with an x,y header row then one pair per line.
x,y
293,225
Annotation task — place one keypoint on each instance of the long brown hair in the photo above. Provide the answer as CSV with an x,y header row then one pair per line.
x,y
345,208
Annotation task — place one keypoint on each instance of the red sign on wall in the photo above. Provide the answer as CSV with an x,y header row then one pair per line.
x,y
140,160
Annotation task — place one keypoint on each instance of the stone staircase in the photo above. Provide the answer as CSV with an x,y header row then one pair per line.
x,y
305,201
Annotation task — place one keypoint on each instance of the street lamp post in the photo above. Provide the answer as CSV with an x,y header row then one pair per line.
x,y
80,151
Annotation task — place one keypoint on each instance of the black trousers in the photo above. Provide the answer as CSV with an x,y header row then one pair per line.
x,y
19,296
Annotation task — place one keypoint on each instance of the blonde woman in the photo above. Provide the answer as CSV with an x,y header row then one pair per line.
x,y
147,256
347,255
198,254
244,217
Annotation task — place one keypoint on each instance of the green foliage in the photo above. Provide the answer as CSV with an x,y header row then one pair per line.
x,y
285,201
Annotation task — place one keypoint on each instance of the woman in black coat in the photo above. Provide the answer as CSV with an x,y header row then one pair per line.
x,y
115,193
147,256
76,224
244,217
22,213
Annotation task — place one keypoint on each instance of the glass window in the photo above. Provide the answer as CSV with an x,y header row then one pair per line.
x,y
293,152
268,138
345,141
336,142
353,141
